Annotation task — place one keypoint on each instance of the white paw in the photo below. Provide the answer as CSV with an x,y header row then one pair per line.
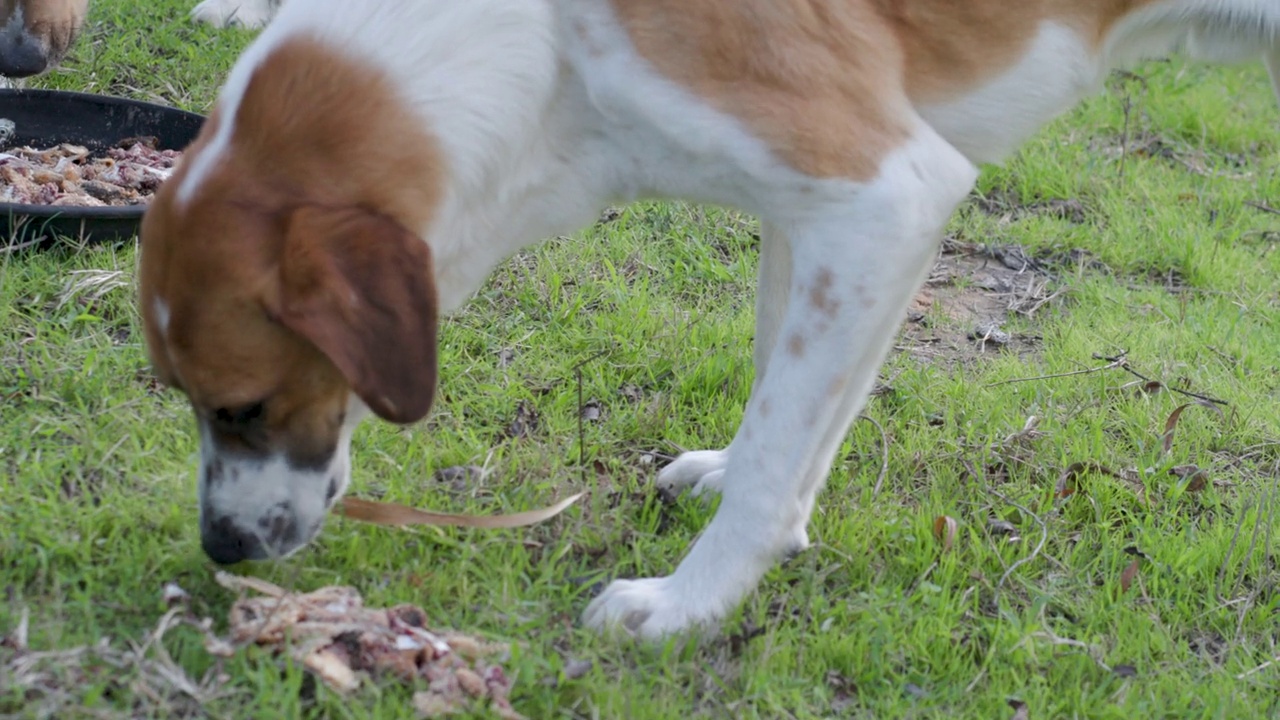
x,y
241,13
702,469
648,609
798,543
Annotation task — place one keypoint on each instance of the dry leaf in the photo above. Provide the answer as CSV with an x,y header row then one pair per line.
x,y
381,513
1143,387
1020,710
1172,422
1130,572
944,529
1195,478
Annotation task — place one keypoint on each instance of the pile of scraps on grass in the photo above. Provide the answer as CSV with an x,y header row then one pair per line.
x,y
330,632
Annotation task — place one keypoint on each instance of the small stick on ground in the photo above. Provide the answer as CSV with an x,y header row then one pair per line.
x,y
1262,206
1115,363
1119,361
1129,369
582,433
884,455
1044,538
1273,661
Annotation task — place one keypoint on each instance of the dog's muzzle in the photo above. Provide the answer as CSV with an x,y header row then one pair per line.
x,y
253,509
21,55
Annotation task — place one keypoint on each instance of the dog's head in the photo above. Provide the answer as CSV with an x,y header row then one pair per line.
x,y
287,297
36,34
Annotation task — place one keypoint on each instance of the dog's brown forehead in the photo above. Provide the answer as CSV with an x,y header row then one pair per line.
x,y
217,340
205,310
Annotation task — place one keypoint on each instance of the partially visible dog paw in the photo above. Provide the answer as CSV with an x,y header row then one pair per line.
x,y
647,609
701,469
249,14
797,543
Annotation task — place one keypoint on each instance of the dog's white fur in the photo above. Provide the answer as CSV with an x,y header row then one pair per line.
x,y
248,14
546,113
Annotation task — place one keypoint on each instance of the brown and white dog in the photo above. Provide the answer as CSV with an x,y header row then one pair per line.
x,y
36,34
369,163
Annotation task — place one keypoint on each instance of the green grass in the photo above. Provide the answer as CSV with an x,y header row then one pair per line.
x,y
878,619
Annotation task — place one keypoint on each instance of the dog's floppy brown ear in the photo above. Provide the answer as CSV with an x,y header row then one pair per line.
x,y
360,287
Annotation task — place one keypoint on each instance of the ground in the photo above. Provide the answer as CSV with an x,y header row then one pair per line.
x,y
1005,536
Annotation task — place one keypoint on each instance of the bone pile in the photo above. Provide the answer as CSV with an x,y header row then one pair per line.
x,y
331,633
71,175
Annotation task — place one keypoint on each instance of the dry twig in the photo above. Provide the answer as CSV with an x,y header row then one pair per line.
x,y
884,455
1115,363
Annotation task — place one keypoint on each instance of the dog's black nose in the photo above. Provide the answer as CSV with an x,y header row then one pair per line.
x,y
227,544
21,57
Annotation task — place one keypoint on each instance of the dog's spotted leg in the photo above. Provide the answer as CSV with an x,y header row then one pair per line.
x,y
858,252
703,470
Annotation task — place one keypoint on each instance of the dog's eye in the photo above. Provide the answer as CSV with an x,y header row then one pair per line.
x,y
241,416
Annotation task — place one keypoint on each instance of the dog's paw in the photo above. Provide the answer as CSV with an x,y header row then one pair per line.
x,y
797,543
703,470
250,14
646,609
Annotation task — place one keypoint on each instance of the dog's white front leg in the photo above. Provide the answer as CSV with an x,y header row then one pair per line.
x,y
858,253
704,469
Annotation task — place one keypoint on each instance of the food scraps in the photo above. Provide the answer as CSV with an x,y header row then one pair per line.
x,y
332,634
72,175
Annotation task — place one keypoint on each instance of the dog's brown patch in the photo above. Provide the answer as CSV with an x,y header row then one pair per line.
x,y
816,81
820,294
828,84
795,346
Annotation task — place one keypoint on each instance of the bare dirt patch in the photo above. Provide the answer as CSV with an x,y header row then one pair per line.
x,y
976,303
